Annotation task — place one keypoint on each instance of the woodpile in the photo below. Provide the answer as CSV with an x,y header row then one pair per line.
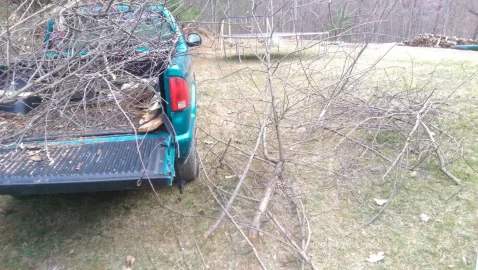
x,y
438,41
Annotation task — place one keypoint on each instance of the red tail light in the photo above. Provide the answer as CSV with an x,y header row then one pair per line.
x,y
179,92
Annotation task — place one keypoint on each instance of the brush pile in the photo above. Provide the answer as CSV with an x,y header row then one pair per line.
x,y
438,41
95,63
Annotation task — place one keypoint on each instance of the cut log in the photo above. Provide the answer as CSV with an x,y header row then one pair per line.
x,y
151,125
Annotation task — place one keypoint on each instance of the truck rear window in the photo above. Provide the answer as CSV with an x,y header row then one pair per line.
x,y
82,29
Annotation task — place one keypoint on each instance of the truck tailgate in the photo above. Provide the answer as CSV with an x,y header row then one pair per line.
x,y
87,165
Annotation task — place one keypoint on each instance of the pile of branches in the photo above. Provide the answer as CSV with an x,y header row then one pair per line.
x,y
99,61
438,41
316,135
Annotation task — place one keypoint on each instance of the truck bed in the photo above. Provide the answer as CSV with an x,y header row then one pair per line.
x,y
99,116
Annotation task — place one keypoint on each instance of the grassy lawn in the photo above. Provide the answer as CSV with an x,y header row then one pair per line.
x,y
98,231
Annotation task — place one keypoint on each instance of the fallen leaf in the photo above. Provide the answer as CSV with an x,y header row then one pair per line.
x,y
137,113
380,202
98,155
147,117
424,217
129,262
32,147
202,212
78,167
129,86
32,153
36,158
373,258
154,104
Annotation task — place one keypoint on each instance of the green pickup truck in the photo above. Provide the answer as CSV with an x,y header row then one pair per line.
x,y
116,159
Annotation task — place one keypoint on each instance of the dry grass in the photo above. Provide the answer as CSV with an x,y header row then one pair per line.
x,y
98,231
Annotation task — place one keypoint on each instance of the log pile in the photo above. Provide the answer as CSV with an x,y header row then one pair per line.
x,y
438,41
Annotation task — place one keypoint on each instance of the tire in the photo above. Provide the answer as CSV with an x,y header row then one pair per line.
x,y
190,169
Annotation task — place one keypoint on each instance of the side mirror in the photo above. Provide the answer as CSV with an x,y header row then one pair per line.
x,y
193,40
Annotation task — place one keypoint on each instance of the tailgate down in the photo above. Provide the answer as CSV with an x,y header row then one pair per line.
x,y
88,165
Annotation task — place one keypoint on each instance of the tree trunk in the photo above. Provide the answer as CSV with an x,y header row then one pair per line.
x,y
342,18
472,11
213,10
331,18
420,19
437,18
447,17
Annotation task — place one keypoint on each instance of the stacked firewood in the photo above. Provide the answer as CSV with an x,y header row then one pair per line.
x,y
438,41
